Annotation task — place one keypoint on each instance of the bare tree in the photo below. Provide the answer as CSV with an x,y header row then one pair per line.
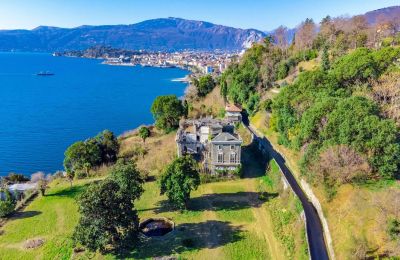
x,y
41,180
341,164
305,35
280,37
359,26
328,29
386,91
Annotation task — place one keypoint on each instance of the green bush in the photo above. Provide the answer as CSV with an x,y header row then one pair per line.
x,y
7,205
394,229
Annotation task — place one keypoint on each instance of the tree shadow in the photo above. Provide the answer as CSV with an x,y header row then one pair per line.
x,y
71,192
254,163
186,237
25,214
218,202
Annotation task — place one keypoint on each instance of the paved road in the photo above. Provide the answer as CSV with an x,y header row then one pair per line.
x,y
315,233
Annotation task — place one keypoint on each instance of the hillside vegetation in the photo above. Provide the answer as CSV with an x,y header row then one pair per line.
x,y
336,121
228,219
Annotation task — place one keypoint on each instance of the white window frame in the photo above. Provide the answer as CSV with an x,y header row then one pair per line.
x,y
220,159
234,157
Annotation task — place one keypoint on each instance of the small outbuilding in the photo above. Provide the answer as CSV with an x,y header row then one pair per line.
x,y
233,113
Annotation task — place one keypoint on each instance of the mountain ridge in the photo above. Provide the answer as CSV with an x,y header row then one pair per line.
x,y
165,34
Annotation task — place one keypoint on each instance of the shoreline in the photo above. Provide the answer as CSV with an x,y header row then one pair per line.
x,y
169,83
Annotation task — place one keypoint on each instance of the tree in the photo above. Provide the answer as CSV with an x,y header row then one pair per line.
x,y
41,180
325,59
7,205
128,178
108,218
186,108
328,29
386,91
167,110
268,42
16,178
205,85
341,164
305,35
144,133
179,179
358,66
280,37
108,145
82,156
358,24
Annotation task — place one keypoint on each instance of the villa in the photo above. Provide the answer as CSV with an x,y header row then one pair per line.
x,y
211,141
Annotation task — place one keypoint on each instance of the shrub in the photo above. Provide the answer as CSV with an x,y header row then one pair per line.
x,y
7,205
16,178
394,229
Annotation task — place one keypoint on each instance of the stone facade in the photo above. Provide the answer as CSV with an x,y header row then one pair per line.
x,y
211,141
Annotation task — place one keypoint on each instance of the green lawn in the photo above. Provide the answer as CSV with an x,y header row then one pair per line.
x,y
51,218
225,220
284,208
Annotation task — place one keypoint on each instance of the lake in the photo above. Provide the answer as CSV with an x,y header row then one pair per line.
x,y
41,116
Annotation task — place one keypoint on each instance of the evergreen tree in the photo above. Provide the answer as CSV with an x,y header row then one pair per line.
x,y
325,59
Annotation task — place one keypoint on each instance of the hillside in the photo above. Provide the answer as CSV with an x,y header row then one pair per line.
x,y
226,220
166,34
383,13
329,104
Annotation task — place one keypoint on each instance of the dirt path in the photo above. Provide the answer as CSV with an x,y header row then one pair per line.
x,y
213,251
263,224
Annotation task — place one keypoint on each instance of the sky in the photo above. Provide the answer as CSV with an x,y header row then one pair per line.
x,y
259,14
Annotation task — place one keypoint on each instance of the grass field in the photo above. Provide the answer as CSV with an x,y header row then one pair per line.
x,y
51,218
358,215
225,220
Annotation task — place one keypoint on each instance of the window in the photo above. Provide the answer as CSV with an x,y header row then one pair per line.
x,y
220,157
232,158
220,147
232,147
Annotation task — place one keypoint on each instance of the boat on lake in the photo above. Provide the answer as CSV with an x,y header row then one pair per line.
x,y
45,73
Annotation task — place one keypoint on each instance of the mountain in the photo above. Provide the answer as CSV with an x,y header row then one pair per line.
x,y
388,13
166,34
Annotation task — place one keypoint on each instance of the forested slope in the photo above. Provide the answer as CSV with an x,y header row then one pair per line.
x,y
340,119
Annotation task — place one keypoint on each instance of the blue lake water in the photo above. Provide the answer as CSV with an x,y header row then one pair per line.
x,y
41,116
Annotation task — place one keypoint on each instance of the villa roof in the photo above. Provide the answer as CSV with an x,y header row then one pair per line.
x,y
225,137
233,108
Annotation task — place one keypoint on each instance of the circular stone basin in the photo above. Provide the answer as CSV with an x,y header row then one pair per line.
x,y
156,227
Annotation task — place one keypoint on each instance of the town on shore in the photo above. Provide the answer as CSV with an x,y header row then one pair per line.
x,y
198,62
